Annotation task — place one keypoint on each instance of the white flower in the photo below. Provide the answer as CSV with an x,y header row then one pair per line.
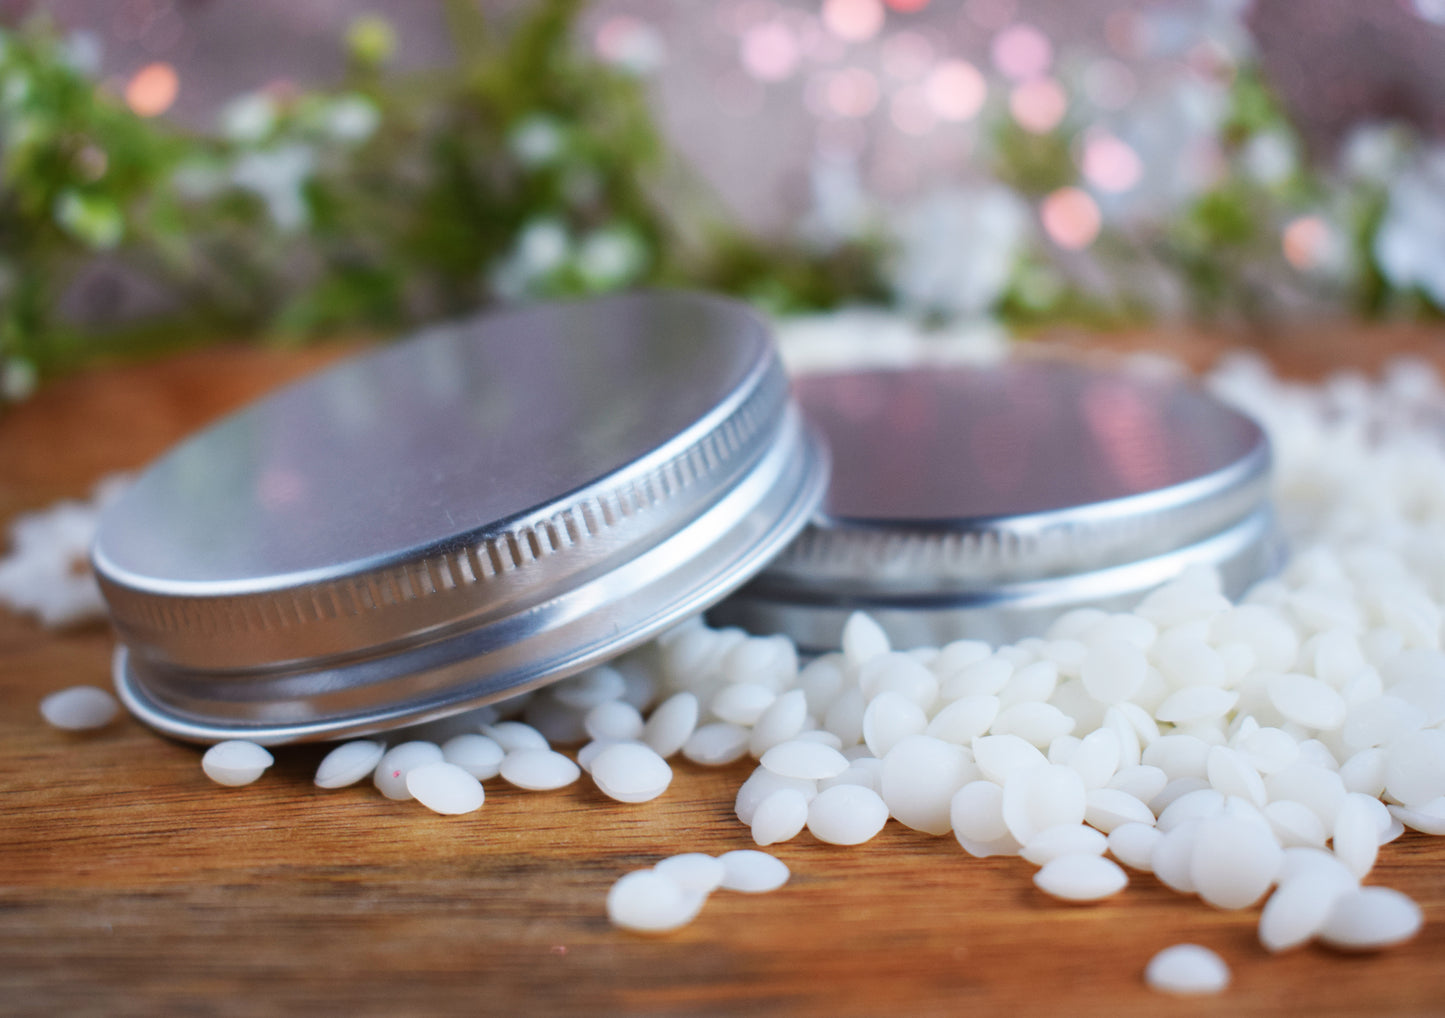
x,y
956,249
47,573
1269,158
277,177
541,249
17,380
1410,244
611,256
1374,152
536,141
248,118
82,52
352,119
840,206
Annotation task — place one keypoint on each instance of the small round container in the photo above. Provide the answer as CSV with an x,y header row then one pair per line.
x,y
490,506
984,502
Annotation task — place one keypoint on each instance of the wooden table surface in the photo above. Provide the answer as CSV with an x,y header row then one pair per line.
x,y
130,884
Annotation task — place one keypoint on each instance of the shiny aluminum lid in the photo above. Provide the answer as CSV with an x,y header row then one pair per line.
x,y
487,507
985,501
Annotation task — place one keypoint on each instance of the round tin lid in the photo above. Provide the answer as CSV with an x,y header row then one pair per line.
x,y
985,501
492,505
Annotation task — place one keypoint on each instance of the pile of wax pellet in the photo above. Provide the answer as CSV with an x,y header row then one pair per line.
x,y
1247,753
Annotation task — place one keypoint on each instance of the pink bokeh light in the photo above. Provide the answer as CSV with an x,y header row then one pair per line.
x,y
770,51
853,20
1071,218
1021,52
956,90
1109,164
1038,105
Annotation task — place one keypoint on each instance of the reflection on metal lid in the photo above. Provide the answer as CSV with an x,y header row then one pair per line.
x,y
489,506
983,501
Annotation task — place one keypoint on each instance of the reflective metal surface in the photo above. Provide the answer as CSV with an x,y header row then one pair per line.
x,y
487,507
986,501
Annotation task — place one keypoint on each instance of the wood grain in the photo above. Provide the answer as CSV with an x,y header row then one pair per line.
x,y
132,885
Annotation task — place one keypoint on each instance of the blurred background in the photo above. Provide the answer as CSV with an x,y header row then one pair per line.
x,y
175,171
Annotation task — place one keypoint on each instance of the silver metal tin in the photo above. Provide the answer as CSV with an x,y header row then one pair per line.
x,y
487,507
985,502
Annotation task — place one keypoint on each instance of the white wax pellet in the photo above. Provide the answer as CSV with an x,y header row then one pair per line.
x,y
1113,670
976,812
1187,969
1133,845
919,778
590,751
1294,823
1415,767
1234,861
1036,723
1268,749
1141,781
1096,758
349,763
1298,909
692,871
615,720
865,771
770,661
1428,818
806,760
538,770
594,686
716,744
79,708
783,720
630,772
1173,857
1108,808
901,674
445,788
1356,839
999,756
847,815
780,816
390,773
1066,839
646,901
889,718
752,871
478,755
1380,721
1081,878
1043,797
742,703
763,783
863,639
1196,703
1178,756
1316,787
235,762
963,720
515,735
1306,701
671,723
1369,918
1230,774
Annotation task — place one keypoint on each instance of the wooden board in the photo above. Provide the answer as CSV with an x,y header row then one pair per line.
x,y
129,884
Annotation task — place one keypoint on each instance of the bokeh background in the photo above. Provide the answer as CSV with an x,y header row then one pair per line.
x,y
304,168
